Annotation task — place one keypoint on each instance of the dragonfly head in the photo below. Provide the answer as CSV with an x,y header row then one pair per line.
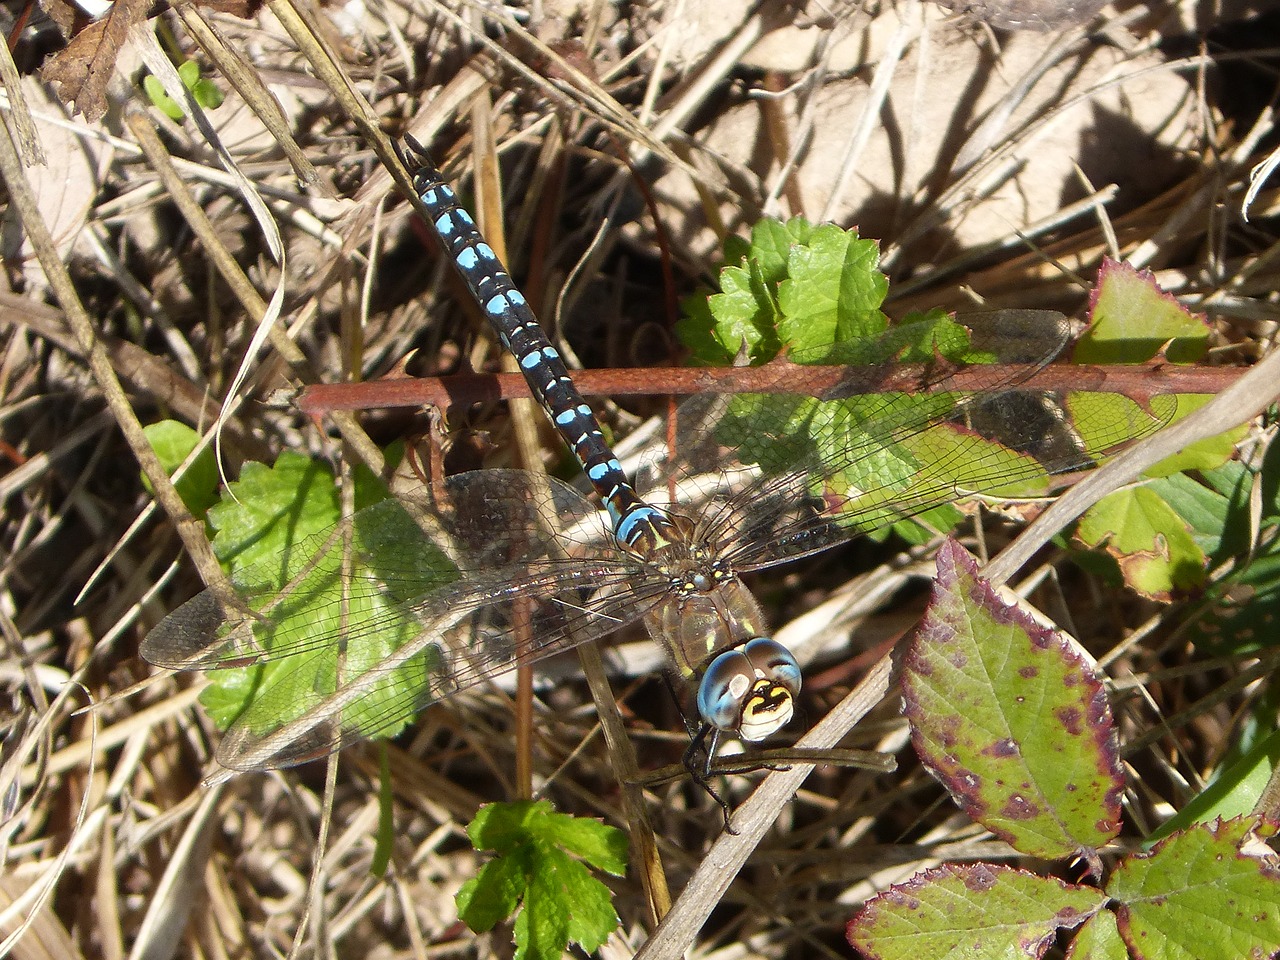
x,y
751,689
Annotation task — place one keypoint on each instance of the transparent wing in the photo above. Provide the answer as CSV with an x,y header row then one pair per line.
x,y
774,476
352,632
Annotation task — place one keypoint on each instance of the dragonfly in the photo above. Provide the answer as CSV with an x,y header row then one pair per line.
x,y
417,598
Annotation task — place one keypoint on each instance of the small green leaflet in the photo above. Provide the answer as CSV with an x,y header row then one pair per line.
x,y
540,870
204,92
173,442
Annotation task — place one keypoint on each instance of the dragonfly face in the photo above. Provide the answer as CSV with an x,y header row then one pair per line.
x,y
750,690
710,626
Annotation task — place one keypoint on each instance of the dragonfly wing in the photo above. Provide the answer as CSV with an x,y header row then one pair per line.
x,y
776,476
320,701
355,629
369,573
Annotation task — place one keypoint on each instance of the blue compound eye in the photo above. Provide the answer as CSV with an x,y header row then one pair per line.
x,y
724,687
775,662
750,690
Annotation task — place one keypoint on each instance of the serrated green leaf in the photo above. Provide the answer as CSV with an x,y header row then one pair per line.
x,y
971,912
1156,552
1132,319
173,442
503,827
833,291
742,315
495,892
772,242
1012,718
797,284
600,845
1199,896
562,902
542,928
271,507
282,529
593,917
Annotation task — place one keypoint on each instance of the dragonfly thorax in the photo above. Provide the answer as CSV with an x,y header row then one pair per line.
x,y
689,565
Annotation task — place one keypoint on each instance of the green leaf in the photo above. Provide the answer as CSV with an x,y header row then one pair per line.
x,y
972,912
1218,522
1156,551
208,94
542,930
204,92
562,902
495,892
1199,894
742,315
156,94
814,293
1132,319
173,442
279,526
1012,718
1246,602
797,285
833,290
1244,615
1098,939
271,508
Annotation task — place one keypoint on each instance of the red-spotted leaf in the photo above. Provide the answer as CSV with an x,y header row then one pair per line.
x,y
1012,718
973,911
1210,891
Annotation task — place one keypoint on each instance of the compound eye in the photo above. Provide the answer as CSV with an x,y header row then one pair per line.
x,y
750,690
772,661
724,688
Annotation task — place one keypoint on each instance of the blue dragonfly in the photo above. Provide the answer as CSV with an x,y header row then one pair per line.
x,y
419,597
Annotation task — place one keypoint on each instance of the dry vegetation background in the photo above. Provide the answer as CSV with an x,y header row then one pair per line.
x,y
620,142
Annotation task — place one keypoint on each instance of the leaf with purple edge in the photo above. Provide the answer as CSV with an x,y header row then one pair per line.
x,y
1207,892
1012,718
977,910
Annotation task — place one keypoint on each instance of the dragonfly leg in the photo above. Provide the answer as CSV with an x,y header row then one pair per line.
x,y
698,759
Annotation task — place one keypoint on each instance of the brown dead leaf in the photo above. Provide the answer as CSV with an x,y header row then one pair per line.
x,y
83,68
63,13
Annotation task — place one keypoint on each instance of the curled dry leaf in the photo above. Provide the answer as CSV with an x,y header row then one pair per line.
x,y
84,67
